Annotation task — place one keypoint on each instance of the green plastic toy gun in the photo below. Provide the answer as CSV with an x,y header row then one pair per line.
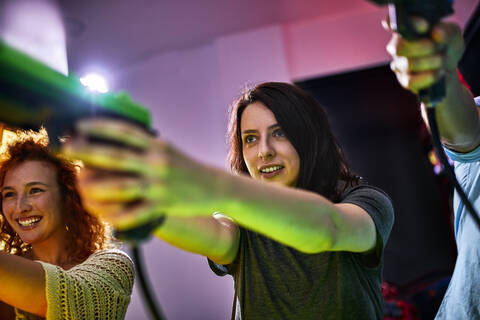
x,y
33,95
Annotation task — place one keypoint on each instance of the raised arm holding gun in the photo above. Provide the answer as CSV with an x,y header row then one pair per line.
x,y
418,64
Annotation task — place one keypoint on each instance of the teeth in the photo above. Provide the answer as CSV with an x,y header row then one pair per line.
x,y
27,222
271,169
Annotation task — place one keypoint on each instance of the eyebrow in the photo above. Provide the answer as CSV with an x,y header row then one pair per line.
x,y
254,131
27,185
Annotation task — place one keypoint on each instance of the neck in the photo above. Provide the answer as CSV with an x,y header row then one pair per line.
x,y
53,252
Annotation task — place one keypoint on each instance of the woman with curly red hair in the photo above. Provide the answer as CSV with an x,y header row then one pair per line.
x,y
55,260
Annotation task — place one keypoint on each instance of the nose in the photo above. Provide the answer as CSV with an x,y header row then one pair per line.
x,y
24,203
266,151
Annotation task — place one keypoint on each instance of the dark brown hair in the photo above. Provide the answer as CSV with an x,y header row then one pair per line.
x,y
323,168
86,233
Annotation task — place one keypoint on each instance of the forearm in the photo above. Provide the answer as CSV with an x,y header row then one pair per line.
x,y
216,238
298,218
22,284
457,117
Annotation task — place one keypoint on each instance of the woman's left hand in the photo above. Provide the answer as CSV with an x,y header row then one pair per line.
x,y
137,177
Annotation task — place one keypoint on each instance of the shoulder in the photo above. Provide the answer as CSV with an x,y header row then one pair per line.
x,y
110,255
113,259
364,192
374,201
112,264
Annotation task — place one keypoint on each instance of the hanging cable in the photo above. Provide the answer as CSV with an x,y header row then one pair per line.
x,y
134,237
148,296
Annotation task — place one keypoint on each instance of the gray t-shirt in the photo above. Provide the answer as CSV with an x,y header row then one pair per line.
x,y
274,281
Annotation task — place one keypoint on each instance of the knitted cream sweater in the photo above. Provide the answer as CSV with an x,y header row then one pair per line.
x,y
97,289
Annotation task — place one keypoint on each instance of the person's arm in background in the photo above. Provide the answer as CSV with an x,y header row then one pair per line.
x,y
419,63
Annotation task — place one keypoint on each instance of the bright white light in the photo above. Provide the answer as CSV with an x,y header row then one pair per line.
x,y
95,82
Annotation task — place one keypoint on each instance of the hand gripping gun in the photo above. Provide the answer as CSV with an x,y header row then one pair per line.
x,y
400,12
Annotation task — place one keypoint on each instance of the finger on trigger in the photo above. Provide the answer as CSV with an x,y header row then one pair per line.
x,y
416,48
434,62
105,211
115,130
133,217
106,157
423,80
113,189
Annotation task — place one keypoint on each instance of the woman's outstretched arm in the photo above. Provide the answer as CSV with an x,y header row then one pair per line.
x,y
168,182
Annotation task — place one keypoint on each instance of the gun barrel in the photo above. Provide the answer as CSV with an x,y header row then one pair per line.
x,y
33,95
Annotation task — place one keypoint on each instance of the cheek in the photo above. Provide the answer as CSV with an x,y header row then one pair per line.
x,y
7,208
47,205
294,160
249,158
7,212
55,206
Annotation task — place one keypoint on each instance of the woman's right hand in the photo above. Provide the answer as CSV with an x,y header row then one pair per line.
x,y
140,179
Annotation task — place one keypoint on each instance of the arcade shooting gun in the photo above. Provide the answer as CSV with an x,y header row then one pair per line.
x,y
33,95
400,12
433,11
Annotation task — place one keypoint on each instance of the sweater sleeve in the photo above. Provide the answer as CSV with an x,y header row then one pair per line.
x,y
98,288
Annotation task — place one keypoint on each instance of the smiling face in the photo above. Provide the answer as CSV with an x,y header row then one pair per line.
x,y
31,203
267,152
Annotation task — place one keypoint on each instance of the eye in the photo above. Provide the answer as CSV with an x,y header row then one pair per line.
x,y
35,190
8,194
249,139
279,133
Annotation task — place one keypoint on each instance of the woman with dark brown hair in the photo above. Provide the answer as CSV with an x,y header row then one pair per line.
x,y
55,260
301,235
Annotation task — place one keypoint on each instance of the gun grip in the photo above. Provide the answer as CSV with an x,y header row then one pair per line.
x,y
434,94
141,232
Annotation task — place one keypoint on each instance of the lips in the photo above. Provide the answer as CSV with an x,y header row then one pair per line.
x,y
28,222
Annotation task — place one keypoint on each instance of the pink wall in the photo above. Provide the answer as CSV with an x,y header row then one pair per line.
x,y
336,44
189,91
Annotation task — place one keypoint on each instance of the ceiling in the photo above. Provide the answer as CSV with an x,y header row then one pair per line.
x,y
115,33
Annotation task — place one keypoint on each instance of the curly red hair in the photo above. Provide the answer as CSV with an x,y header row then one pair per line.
x,y
87,233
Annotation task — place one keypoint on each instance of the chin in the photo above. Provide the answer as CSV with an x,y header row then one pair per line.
x,y
280,183
29,239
